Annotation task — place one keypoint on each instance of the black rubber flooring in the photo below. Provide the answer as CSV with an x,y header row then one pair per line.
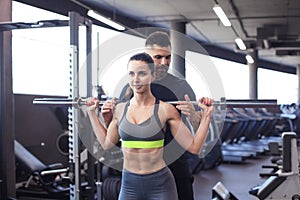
x,y
238,178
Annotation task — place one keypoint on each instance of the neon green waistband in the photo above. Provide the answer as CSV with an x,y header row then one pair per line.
x,y
143,144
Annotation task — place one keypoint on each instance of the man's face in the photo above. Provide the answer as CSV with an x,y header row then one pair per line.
x,y
162,59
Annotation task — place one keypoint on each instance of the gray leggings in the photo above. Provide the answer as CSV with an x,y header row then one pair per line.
x,y
159,185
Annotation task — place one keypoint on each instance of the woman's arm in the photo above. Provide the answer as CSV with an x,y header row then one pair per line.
x,y
182,134
107,138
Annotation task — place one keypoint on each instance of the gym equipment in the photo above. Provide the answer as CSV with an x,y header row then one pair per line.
x,y
44,181
285,183
75,20
223,103
230,154
111,188
288,113
78,190
220,192
234,149
256,124
272,134
7,169
247,133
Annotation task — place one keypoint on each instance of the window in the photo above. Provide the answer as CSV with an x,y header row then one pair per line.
x,y
41,63
214,77
281,86
40,56
235,78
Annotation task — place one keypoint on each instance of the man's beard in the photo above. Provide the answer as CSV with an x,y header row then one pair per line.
x,y
161,71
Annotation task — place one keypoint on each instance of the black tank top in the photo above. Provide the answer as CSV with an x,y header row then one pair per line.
x,y
148,134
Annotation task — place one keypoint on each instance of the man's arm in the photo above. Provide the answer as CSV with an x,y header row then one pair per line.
x,y
108,106
186,94
189,110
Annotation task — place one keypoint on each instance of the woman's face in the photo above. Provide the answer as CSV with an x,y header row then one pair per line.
x,y
140,76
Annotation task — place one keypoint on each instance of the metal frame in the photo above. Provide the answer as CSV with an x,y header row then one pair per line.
x,y
75,20
74,118
7,159
3,186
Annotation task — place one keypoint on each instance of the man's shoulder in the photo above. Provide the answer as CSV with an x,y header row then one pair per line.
x,y
172,78
179,81
177,85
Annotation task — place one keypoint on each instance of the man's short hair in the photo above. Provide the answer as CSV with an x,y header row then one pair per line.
x,y
159,38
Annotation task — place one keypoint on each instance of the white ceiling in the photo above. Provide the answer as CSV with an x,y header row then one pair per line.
x,y
269,26
278,22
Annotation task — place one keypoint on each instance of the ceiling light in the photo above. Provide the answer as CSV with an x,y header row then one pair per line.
x,y
240,44
249,59
222,16
105,20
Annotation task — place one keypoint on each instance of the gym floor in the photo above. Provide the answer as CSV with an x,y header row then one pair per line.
x,y
238,178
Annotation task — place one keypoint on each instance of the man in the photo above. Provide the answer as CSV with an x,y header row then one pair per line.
x,y
167,87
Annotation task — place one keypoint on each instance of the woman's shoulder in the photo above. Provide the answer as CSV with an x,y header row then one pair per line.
x,y
167,108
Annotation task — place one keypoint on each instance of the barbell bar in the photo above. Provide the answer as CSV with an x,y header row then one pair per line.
x,y
230,103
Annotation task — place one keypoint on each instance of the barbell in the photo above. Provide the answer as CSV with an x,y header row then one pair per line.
x,y
223,103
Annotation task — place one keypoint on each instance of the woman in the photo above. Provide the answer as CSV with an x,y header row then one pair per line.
x,y
140,124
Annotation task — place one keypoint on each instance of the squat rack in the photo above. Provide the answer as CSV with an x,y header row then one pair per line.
x,y
7,168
